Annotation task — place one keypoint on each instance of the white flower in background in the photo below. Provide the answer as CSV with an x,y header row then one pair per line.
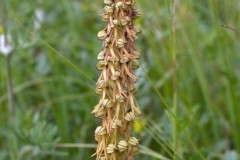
x,y
6,46
39,18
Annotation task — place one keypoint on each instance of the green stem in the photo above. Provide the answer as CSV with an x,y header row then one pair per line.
x,y
174,63
9,87
8,61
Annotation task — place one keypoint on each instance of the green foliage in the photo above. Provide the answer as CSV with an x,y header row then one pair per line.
x,y
54,74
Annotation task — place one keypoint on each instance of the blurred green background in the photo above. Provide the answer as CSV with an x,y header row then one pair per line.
x,y
53,67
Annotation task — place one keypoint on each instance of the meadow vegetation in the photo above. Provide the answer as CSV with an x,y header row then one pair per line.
x,y
53,74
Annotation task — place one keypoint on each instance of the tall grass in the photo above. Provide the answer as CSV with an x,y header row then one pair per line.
x,y
53,74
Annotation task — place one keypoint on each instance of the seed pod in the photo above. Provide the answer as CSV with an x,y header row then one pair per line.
x,y
120,43
111,148
100,131
122,146
102,34
133,141
129,116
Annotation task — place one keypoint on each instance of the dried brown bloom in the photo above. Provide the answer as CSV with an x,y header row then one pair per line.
x,y
117,107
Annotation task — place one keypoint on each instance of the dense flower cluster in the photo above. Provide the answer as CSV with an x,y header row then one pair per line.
x,y
117,107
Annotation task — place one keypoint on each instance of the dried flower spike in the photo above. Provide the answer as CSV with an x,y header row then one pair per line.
x,y
117,107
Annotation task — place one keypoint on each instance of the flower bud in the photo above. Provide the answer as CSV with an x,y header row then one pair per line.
x,y
101,158
135,150
137,29
137,110
108,40
101,83
116,62
100,131
128,2
107,103
120,98
97,137
133,89
100,55
122,146
101,65
102,34
118,5
129,116
135,64
115,76
137,54
127,18
133,141
108,1
120,43
115,22
105,18
116,123
99,91
137,14
96,108
124,22
100,112
111,148
124,59
108,9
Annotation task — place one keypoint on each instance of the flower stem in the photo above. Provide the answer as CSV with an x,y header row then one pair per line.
x,y
174,65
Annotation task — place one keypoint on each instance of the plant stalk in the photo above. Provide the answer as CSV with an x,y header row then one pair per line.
x,y
174,65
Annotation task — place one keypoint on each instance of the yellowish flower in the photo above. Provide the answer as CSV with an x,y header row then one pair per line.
x,y
1,29
138,125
